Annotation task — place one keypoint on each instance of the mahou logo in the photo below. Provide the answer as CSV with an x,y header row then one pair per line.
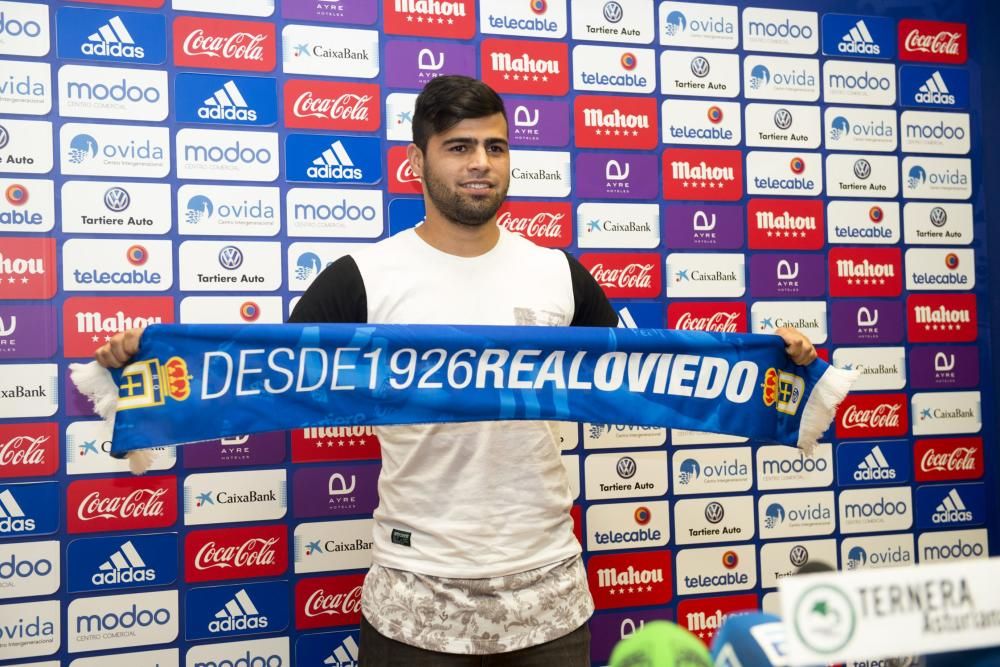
x,y
402,178
941,318
619,122
873,416
236,553
720,316
328,602
869,272
28,267
29,450
630,580
948,459
335,443
89,322
777,224
546,223
224,44
525,67
446,19
933,41
704,616
122,503
332,105
703,175
626,275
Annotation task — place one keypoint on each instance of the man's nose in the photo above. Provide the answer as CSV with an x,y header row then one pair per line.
x,y
478,159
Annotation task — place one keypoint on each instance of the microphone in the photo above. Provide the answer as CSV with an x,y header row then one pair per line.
x,y
753,639
660,644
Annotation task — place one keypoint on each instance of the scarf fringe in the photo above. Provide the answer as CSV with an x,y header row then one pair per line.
x,y
821,408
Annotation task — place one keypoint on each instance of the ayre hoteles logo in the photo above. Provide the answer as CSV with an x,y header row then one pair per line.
x,y
864,222
874,322
220,99
626,580
29,568
239,609
526,67
873,416
873,552
937,178
937,223
452,19
236,553
625,275
249,495
865,272
792,174
114,264
700,74
780,30
26,146
703,226
325,602
30,509
126,561
941,318
698,25
27,332
29,449
111,36
135,151
615,175
944,367
332,105
119,621
523,19
224,44
948,459
716,569
614,69
785,79
319,51
853,36
644,524
933,41
710,123
796,514
533,123
704,175
26,29
414,64
777,224
28,205
335,490
623,122
938,269
122,503
875,510
786,275
27,89
27,268
846,82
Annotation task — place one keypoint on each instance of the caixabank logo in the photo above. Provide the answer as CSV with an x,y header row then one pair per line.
x,y
716,569
29,509
704,616
29,568
256,495
704,175
317,51
235,553
326,158
720,316
873,416
936,87
241,609
525,67
89,322
853,36
325,546
121,621
332,105
625,275
545,223
220,99
28,268
873,463
635,579
210,43
951,506
623,122
626,226
941,318
881,368
703,226
125,561
933,41
29,449
111,36
946,413
451,19
778,224
806,316
335,443
872,272
328,602
944,367
113,504
948,459
340,490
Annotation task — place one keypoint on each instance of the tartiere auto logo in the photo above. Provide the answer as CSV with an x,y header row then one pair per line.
x,y
124,503
224,44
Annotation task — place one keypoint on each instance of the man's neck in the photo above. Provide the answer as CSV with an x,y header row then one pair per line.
x,y
459,240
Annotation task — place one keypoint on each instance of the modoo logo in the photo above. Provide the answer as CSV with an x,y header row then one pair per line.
x,y
24,29
953,545
132,616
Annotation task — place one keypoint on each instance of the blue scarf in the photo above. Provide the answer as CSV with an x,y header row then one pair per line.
x,y
190,383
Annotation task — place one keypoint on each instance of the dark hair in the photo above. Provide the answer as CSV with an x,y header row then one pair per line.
x,y
448,100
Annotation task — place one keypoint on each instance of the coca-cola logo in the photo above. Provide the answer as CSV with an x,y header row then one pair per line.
x,y
403,178
633,275
873,415
541,224
241,45
253,552
236,553
546,224
122,504
883,415
344,107
138,503
405,173
321,602
332,105
933,41
942,42
722,322
23,450
948,459
28,449
328,601
963,458
625,275
224,44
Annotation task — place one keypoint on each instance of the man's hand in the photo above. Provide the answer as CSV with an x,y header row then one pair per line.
x,y
116,352
797,346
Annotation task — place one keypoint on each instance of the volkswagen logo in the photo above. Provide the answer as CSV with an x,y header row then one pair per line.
x,y
4,136
799,555
714,512
939,217
862,169
626,467
231,257
700,67
783,119
117,199
613,12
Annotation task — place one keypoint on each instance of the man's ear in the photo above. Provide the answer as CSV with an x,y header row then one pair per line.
x,y
416,158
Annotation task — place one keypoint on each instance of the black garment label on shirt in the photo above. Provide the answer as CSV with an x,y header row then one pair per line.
x,y
401,537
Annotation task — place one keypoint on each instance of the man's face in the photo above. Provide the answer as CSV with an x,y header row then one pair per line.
x,y
466,170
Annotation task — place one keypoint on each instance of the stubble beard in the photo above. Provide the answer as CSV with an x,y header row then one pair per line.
x,y
459,208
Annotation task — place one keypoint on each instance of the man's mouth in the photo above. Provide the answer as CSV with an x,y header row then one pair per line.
x,y
478,186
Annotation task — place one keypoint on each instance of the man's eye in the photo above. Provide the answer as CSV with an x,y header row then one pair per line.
x,y
497,149
457,149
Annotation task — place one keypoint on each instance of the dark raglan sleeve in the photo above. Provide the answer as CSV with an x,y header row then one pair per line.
x,y
337,295
592,306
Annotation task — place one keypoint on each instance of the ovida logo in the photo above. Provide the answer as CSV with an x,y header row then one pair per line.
x,y
113,39
125,565
117,199
335,163
690,471
760,76
83,148
12,517
239,613
857,557
774,516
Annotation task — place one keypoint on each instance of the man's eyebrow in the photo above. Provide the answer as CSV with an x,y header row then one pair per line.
x,y
469,141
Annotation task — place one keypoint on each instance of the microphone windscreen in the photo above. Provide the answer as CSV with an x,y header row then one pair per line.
x,y
755,639
660,644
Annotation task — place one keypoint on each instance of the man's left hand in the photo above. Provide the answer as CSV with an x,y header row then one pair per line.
x,y
799,348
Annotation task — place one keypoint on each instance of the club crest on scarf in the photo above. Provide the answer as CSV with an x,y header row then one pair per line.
x,y
148,383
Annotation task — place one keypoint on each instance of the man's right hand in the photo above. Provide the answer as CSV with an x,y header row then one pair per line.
x,y
117,351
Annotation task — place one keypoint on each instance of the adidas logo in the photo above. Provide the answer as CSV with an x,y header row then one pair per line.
x,y
114,40
227,103
334,162
858,40
874,467
951,509
240,613
345,655
124,566
12,516
934,91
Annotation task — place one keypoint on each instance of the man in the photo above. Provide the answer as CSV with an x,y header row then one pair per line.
x,y
474,552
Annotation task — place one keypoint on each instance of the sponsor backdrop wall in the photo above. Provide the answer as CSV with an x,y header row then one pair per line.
x,y
723,167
